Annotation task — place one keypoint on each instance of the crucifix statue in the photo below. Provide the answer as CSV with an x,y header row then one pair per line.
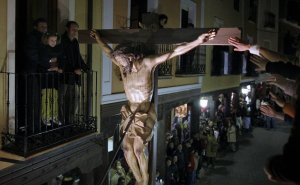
x,y
137,72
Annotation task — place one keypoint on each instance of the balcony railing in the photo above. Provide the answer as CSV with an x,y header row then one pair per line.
x,y
192,63
165,69
47,109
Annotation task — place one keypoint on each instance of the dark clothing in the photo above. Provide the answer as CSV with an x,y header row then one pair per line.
x,y
31,50
287,70
170,151
284,167
197,146
181,159
186,152
32,104
172,175
181,165
69,90
170,178
49,79
68,103
291,150
73,60
29,85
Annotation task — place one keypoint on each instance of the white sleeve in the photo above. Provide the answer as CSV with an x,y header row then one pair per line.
x,y
254,50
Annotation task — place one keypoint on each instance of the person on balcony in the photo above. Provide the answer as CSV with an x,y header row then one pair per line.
x,y
51,60
139,115
29,85
69,90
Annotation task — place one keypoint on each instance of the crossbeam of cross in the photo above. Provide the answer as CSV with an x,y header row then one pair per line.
x,y
159,36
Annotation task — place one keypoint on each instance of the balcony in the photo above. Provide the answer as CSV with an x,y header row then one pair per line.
x,y
187,65
42,111
165,69
192,63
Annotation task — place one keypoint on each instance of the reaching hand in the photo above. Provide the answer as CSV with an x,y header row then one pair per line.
x,y
53,69
94,34
77,71
260,62
53,60
277,100
238,44
279,81
53,64
267,110
210,35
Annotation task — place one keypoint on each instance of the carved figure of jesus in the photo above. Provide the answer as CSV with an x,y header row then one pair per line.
x,y
137,72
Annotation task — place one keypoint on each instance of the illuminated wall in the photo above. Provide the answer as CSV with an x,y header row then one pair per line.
x,y
3,57
223,10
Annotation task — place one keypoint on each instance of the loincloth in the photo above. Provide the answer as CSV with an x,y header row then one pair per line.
x,y
142,124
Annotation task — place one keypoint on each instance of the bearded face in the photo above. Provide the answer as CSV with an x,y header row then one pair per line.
x,y
126,61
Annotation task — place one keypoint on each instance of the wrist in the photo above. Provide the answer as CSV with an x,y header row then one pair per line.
x,y
279,116
199,41
248,47
254,49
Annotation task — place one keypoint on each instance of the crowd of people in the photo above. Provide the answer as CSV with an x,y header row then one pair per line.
x,y
120,174
187,159
275,98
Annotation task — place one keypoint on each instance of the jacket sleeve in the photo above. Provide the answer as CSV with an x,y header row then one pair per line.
x,y
83,65
287,70
43,59
31,50
289,110
291,150
62,58
78,60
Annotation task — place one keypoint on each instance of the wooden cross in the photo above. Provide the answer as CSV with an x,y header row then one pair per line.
x,y
159,36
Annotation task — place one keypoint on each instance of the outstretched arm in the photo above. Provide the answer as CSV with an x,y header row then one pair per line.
x,y
267,110
261,51
182,48
288,86
103,45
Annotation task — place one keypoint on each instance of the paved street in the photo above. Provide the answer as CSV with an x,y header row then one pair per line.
x,y
245,167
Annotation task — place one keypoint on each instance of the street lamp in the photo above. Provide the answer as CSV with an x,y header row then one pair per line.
x,y
245,91
203,103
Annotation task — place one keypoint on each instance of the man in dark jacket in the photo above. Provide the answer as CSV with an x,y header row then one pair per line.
x,y
74,65
29,89
32,45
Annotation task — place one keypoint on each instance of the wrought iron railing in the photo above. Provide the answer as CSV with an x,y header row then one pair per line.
x,y
165,69
46,109
192,63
